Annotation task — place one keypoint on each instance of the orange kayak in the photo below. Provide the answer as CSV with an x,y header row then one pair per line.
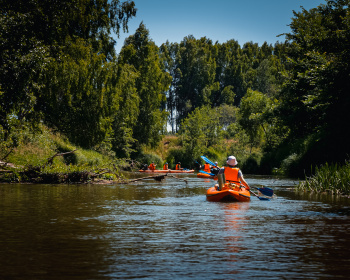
x,y
167,171
206,176
230,192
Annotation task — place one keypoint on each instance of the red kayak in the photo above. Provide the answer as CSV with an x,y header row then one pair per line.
x,y
167,171
229,192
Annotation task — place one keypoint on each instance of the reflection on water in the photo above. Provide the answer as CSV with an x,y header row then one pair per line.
x,y
162,230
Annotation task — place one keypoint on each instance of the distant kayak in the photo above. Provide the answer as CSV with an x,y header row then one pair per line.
x,y
229,192
206,176
168,171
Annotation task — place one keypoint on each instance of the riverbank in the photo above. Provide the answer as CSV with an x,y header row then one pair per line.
x,y
329,178
9,173
48,157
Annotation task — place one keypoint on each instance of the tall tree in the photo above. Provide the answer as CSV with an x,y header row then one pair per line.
x,y
151,84
80,96
315,98
170,57
61,62
195,75
126,117
23,62
197,133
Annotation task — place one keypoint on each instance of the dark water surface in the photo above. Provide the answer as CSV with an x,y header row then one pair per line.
x,y
165,230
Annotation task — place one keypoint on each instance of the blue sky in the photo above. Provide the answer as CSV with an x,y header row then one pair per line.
x,y
219,20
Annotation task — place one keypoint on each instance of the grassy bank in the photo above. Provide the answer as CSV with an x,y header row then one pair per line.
x,y
330,178
47,157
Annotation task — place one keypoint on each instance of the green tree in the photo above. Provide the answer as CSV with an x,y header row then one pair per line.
x,y
315,98
22,66
60,64
55,22
255,117
80,97
126,117
169,55
151,85
195,75
199,131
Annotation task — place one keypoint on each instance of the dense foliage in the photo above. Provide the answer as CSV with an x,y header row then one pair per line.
x,y
281,107
57,65
316,95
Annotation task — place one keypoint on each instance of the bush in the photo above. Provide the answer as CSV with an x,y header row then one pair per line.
x,y
251,164
212,154
147,158
328,178
176,155
290,165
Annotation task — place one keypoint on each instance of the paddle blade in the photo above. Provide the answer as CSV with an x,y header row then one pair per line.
x,y
266,191
208,160
261,198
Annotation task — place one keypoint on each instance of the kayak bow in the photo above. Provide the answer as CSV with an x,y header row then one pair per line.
x,y
229,192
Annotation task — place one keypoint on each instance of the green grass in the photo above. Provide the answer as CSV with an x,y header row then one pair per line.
x,y
332,178
33,151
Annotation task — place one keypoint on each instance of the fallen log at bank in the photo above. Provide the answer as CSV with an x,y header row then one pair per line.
x,y
156,177
50,159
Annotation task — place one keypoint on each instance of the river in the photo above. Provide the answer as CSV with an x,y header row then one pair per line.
x,y
168,230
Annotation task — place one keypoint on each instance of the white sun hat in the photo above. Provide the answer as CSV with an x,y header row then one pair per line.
x,y
231,160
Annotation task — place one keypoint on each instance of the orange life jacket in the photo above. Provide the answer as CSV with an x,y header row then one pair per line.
x,y
152,166
231,174
165,167
206,167
178,167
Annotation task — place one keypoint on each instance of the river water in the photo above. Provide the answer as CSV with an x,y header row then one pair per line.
x,y
168,230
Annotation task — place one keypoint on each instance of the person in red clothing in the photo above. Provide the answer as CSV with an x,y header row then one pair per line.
x,y
232,173
165,166
207,167
178,166
152,166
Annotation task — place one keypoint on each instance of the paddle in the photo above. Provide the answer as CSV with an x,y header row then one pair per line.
x,y
261,198
208,161
265,191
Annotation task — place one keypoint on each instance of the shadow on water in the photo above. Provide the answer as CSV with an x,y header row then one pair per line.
x,y
163,230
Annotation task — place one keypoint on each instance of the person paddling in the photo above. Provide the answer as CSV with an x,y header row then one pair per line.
x,y
165,166
206,167
215,168
232,173
178,166
152,166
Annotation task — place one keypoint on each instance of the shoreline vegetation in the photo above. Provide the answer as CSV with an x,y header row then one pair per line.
x,y
49,158
9,173
328,178
46,157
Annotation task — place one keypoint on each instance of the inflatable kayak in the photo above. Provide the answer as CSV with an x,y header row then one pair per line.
x,y
168,171
229,192
206,176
